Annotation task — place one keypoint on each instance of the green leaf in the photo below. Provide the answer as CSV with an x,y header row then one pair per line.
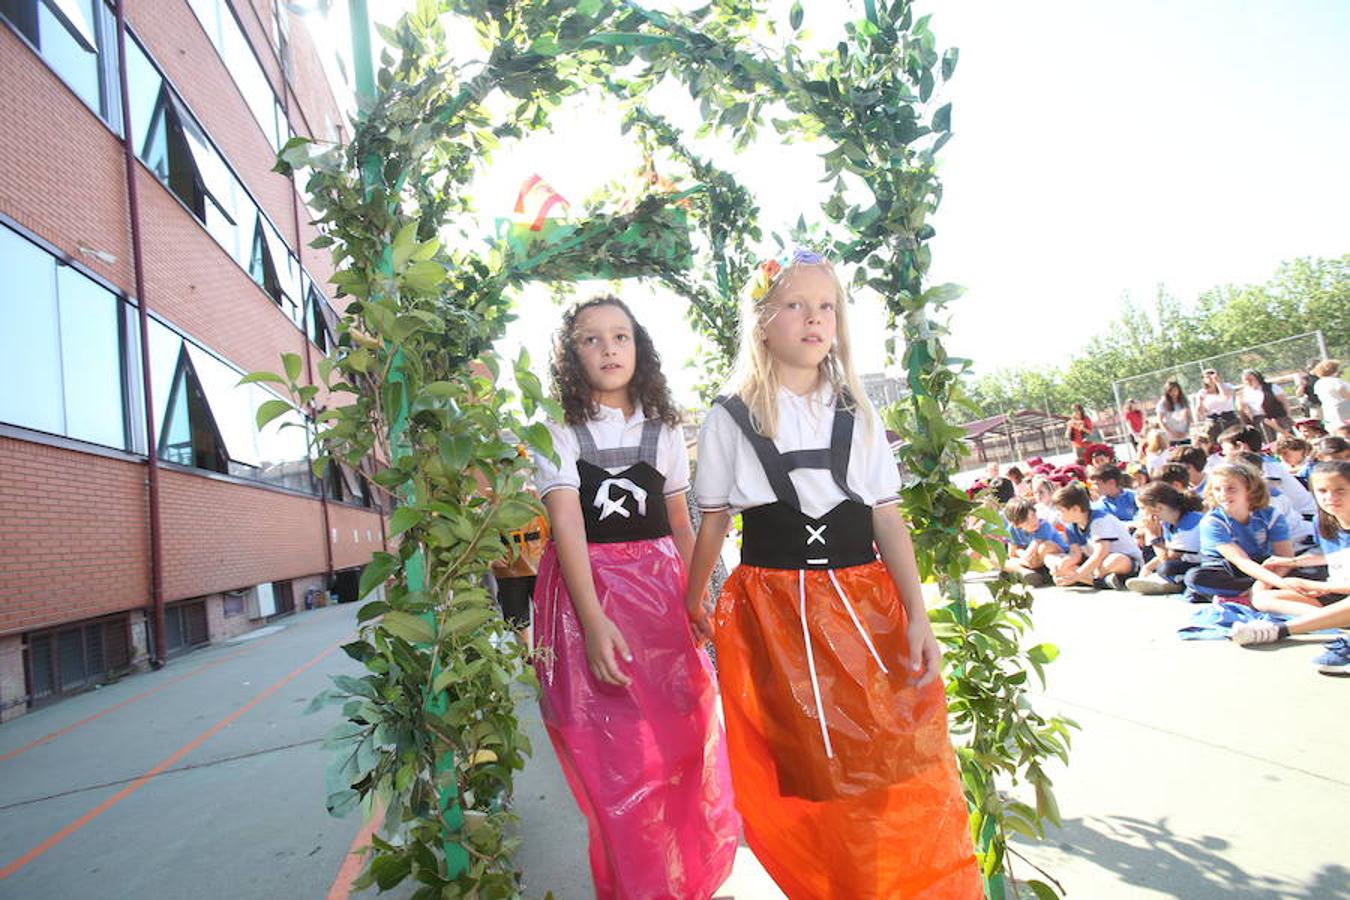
x,y
456,450
380,567
949,62
422,277
340,803
271,410
795,16
1042,890
371,610
1043,653
254,377
404,517
405,244
293,364
942,119
413,629
462,623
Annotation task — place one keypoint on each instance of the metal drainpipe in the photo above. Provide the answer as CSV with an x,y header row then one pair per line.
x,y
157,659
299,258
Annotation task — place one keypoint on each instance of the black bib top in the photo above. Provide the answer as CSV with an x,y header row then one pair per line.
x,y
629,505
779,535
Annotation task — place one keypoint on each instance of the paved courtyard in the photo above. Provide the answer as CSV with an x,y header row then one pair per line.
x,y
1202,770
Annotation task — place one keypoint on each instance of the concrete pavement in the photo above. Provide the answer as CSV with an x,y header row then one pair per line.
x,y
1203,770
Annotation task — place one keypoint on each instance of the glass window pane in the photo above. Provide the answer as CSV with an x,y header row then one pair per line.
x,y
64,51
175,439
283,448
77,18
165,346
91,360
143,88
230,405
30,342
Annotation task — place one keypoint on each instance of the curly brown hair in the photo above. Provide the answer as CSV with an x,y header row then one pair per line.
x,y
568,377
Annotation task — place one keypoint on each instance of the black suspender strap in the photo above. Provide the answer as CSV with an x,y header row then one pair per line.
x,y
769,457
841,446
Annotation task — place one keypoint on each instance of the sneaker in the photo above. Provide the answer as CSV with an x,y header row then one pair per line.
x,y
1335,658
1254,631
1153,584
1032,579
1115,582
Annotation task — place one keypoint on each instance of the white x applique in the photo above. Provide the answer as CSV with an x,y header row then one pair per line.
x,y
815,535
608,505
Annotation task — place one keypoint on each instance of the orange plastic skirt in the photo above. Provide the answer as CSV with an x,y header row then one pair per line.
x,y
870,806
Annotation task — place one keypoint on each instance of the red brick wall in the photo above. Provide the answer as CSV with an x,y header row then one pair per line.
x,y
358,535
73,536
219,536
63,175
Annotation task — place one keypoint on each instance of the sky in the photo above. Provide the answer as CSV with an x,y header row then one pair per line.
x,y
1099,151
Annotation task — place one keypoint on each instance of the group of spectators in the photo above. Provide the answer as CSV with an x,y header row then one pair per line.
x,y
1229,501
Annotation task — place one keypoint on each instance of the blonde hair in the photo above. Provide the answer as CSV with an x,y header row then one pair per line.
x,y
1156,441
1327,368
1258,493
754,378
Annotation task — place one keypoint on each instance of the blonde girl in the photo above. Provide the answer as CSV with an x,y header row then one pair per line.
x,y
1239,533
830,673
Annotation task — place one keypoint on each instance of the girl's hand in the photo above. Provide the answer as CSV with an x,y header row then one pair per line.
x,y
605,646
925,656
1278,563
1306,586
701,624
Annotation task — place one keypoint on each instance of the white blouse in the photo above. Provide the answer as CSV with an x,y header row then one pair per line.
x,y
609,430
730,475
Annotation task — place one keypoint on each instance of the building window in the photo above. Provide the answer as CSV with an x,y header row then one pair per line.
x,y
207,419
61,338
76,656
235,51
66,33
323,320
185,626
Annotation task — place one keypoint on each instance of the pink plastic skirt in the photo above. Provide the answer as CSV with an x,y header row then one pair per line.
x,y
647,762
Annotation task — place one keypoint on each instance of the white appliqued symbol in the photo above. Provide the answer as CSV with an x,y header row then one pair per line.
x,y
815,535
608,505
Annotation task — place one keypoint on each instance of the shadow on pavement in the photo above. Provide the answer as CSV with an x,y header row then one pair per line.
x,y
1148,854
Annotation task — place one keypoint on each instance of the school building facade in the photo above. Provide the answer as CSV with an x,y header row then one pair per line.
x,y
149,258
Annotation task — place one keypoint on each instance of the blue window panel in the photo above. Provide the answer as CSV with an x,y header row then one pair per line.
x,y
90,360
30,337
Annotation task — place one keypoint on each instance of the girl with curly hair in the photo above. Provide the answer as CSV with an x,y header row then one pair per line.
x,y
628,698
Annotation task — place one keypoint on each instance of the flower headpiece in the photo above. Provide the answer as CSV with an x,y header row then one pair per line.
x,y
768,272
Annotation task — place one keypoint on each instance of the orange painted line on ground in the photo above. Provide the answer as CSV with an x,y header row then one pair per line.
x,y
47,738
165,763
355,860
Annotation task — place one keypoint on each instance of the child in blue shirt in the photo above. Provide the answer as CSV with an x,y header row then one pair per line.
x,y
1106,551
1315,604
1113,493
1036,548
1237,536
1180,514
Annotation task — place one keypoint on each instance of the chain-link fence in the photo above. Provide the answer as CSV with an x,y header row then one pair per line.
x,y
1279,361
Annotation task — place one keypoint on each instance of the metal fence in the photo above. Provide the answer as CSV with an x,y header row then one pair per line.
x,y
1279,361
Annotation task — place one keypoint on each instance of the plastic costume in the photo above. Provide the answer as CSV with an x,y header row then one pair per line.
x,y
647,762
844,772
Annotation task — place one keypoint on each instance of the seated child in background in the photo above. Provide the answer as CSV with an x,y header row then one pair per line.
x,y
1240,531
1315,604
1114,494
1106,551
1180,513
1302,531
1331,448
1310,430
1250,439
1296,454
1176,474
1036,547
1153,452
1213,456
1043,495
1197,463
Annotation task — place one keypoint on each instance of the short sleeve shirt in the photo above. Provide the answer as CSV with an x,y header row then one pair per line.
x,y
1337,552
730,475
609,429
1044,532
1280,477
1257,536
1184,537
1106,529
1122,505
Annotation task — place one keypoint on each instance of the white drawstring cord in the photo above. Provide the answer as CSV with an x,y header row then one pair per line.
x,y
811,663
856,624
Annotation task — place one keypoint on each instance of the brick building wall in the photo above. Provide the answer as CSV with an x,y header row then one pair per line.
x,y
74,519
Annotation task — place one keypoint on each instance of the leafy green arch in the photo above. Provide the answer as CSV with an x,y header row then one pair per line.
x,y
429,733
